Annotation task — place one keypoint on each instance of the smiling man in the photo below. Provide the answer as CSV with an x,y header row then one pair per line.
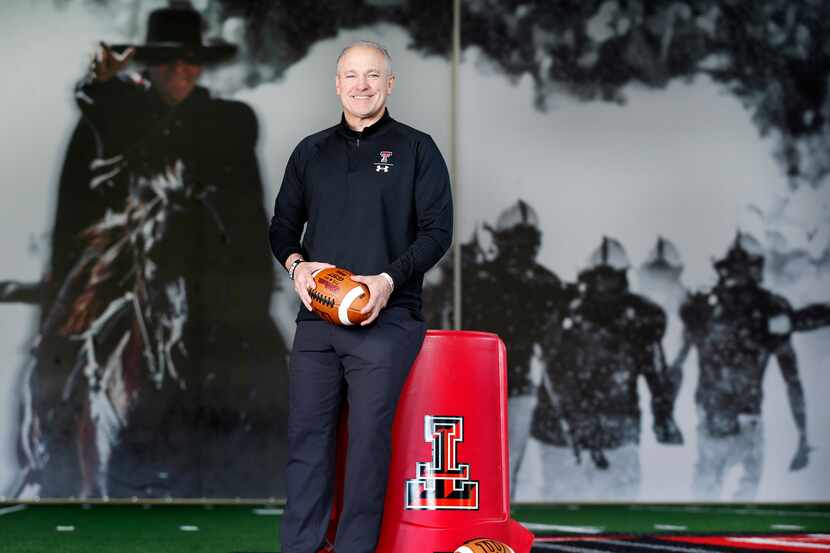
x,y
373,196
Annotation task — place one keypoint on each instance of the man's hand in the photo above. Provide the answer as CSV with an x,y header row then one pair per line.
x,y
802,454
304,279
379,292
106,63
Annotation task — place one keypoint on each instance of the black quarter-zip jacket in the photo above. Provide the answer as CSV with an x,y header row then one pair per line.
x,y
373,201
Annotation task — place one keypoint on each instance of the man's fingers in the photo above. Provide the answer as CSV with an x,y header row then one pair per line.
x,y
371,319
301,286
370,305
305,298
309,285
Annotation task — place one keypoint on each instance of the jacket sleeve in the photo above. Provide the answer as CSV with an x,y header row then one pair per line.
x,y
290,214
111,107
433,205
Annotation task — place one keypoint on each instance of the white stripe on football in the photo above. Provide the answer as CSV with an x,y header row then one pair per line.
x,y
348,300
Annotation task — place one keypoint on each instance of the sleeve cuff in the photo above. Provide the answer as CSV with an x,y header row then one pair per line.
x,y
389,280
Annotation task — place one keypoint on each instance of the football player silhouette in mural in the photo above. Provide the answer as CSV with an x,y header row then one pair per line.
x,y
736,327
156,371
510,294
601,338
659,278
438,309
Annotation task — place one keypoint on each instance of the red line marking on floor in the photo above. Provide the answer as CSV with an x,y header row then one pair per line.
x,y
789,543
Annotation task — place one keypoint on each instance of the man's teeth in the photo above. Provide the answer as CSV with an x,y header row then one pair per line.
x,y
361,97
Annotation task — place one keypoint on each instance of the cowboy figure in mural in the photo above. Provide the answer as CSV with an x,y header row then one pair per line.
x,y
153,373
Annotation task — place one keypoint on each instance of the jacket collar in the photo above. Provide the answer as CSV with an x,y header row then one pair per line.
x,y
372,129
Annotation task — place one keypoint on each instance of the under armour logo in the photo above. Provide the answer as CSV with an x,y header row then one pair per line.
x,y
379,168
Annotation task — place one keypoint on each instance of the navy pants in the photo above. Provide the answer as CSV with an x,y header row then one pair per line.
x,y
368,366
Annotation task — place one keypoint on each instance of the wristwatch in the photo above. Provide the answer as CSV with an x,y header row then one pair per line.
x,y
293,267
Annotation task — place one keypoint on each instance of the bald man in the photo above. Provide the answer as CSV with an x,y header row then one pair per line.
x,y
370,195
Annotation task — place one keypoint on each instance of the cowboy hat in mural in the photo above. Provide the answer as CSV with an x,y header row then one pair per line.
x,y
175,32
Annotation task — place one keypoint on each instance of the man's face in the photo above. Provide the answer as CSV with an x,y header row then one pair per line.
x,y
363,82
174,81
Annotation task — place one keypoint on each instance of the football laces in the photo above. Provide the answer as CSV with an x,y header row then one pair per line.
x,y
320,298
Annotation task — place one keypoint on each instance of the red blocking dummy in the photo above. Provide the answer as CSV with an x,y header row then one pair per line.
x,y
449,474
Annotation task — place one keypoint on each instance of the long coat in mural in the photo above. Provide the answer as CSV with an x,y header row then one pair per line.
x,y
158,370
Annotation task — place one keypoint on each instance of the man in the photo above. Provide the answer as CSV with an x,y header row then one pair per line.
x,y
374,197
149,376
600,340
515,311
736,327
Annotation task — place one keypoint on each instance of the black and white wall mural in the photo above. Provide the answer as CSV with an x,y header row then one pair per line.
x,y
145,326
644,218
644,194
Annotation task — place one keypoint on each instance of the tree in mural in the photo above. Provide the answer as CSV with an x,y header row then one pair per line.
x,y
770,54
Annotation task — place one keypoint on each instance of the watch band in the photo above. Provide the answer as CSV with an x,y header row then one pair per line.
x,y
293,267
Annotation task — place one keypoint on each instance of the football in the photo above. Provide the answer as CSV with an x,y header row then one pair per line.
x,y
484,545
337,298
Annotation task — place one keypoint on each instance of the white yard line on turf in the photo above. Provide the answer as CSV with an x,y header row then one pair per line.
x,y
12,509
656,546
561,528
711,510
189,528
672,527
566,548
786,527
268,512
66,528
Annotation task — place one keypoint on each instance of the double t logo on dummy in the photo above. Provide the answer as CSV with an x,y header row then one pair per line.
x,y
443,483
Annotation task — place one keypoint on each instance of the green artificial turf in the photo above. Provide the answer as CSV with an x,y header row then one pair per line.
x,y
674,519
108,528
134,529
